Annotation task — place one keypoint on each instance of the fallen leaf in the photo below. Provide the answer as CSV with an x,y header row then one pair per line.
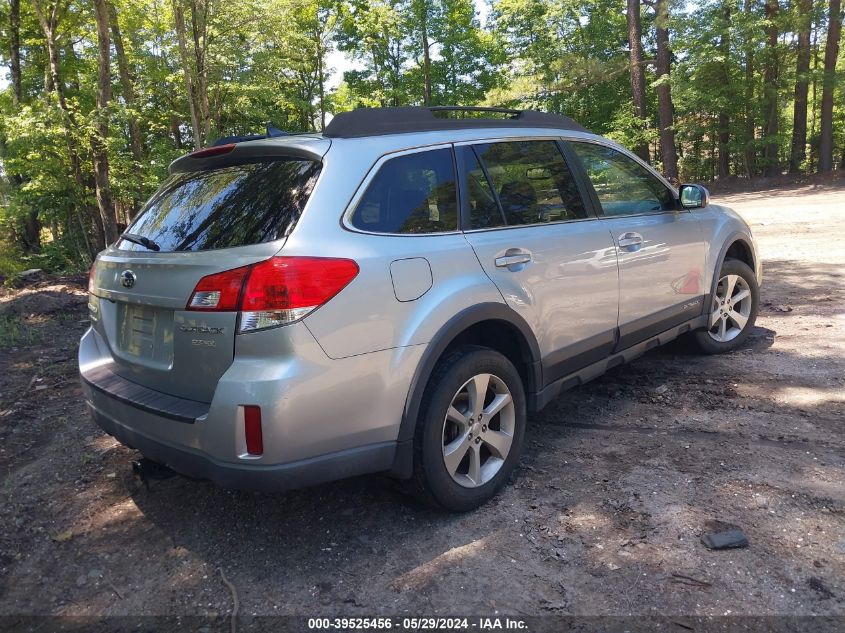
x,y
61,537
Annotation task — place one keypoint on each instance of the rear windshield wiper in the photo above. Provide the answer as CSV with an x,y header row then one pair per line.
x,y
140,239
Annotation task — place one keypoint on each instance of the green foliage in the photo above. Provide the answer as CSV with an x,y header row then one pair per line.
x,y
268,60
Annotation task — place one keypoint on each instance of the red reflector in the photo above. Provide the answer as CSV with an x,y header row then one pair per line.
x,y
212,151
252,428
219,292
286,283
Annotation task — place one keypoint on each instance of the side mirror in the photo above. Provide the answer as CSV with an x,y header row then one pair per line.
x,y
694,196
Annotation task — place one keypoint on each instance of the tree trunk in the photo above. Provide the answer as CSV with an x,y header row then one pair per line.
x,y
32,232
48,19
31,224
15,49
635,46
724,122
179,20
798,150
665,108
199,30
831,53
750,125
770,88
99,140
127,84
422,15
175,125
321,79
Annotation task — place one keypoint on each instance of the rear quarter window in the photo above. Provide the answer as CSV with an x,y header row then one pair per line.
x,y
411,194
238,205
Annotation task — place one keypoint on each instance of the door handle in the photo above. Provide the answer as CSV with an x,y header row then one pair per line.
x,y
513,257
630,241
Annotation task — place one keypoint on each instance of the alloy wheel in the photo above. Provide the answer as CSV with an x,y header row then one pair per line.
x,y
730,310
478,430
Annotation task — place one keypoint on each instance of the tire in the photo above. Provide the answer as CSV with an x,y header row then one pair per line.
x,y
723,332
486,463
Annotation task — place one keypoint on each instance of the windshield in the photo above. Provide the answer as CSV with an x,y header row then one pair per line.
x,y
221,208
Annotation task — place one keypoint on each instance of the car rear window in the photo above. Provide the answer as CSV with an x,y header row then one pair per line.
x,y
221,208
411,194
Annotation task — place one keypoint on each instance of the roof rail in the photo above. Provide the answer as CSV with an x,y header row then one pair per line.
x,y
400,120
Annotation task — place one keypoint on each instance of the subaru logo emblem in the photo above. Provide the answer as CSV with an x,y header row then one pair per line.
x,y
127,279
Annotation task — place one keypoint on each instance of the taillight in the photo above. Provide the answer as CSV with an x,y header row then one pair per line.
x,y
285,289
274,292
91,278
220,292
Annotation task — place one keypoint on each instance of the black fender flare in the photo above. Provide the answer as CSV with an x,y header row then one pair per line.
x,y
403,461
733,238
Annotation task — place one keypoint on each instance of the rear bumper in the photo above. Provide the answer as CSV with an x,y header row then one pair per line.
x,y
299,474
322,418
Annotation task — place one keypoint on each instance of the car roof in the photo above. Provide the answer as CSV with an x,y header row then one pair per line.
x,y
388,130
400,120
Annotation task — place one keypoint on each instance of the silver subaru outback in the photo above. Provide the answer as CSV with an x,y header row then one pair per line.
x,y
396,295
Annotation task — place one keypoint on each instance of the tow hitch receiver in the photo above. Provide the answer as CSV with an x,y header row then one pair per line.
x,y
146,470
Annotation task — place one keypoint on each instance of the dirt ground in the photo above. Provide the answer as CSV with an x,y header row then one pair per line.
x,y
604,516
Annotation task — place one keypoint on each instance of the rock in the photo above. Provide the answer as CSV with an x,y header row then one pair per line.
x,y
95,573
80,581
840,547
661,389
724,536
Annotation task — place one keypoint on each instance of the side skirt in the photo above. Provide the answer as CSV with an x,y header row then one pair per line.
x,y
588,373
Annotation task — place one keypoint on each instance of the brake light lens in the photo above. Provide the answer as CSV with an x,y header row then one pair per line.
x,y
212,151
91,278
220,292
274,292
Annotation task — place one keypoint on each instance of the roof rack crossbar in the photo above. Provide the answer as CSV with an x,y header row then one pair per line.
x,y
400,120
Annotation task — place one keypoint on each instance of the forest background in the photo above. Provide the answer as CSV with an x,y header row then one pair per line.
x,y
99,96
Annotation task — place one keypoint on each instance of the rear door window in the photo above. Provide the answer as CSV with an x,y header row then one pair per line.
x,y
484,210
532,182
411,194
222,208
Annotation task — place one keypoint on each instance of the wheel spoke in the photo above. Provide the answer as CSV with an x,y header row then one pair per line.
x,y
477,389
499,402
742,294
457,417
737,318
730,286
454,451
723,327
498,442
474,472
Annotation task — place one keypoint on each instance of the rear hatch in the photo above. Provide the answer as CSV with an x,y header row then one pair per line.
x,y
235,209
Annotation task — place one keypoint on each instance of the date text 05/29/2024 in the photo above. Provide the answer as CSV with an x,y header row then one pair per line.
x,y
418,624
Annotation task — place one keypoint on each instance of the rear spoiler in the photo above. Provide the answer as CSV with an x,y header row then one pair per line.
x,y
251,150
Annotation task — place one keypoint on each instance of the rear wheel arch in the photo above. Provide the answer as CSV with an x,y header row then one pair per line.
x,y
492,325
